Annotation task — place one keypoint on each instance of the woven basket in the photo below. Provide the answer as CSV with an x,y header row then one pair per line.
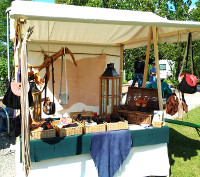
x,y
67,131
117,125
94,128
74,115
43,134
136,117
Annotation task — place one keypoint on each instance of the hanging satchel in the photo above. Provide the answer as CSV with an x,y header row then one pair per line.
x,y
12,96
49,107
172,104
188,82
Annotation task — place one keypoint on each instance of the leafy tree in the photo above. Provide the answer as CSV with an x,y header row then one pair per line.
x,y
4,4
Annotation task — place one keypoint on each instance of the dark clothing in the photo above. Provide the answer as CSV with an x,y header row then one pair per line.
x,y
139,67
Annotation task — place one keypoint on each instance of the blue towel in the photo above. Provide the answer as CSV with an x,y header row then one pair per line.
x,y
109,150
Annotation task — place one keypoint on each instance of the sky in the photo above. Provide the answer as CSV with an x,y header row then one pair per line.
x,y
52,1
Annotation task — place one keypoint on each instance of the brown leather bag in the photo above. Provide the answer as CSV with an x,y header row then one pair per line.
x,y
172,104
49,107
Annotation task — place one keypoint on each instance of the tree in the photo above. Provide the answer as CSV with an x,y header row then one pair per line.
x,y
4,4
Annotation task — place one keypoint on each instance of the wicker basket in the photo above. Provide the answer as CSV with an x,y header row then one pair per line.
x,y
67,131
43,134
94,128
136,117
117,125
74,115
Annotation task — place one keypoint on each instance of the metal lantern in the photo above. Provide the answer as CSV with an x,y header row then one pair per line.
x,y
110,96
36,93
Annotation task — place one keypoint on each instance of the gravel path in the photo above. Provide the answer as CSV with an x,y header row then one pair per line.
x,y
7,155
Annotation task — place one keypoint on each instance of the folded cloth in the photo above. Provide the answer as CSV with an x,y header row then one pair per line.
x,y
109,150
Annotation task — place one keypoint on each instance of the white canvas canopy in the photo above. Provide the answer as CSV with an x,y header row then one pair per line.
x,y
97,26
96,30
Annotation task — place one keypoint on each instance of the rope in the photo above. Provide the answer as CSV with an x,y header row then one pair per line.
x,y
25,106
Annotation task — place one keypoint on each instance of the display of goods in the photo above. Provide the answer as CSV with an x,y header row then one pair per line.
x,y
74,115
142,97
136,117
40,134
94,128
67,131
117,125
42,129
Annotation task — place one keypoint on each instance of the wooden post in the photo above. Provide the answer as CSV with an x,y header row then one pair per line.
x,y
100,96
147,57
121,70
112,97
155,40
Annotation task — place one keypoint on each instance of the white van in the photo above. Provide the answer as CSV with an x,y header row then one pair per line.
x,y
166,67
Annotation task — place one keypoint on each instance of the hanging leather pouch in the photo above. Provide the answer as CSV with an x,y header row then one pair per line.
x,y
49,107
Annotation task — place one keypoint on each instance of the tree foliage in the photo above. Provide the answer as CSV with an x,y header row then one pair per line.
x,y
4,4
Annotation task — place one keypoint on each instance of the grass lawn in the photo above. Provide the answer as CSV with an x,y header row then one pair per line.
x,y
184,147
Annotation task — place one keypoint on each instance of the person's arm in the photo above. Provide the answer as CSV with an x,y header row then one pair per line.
x,y
150,74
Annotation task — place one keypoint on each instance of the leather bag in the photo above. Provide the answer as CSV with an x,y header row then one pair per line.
x,y
49,107
172,104
188,84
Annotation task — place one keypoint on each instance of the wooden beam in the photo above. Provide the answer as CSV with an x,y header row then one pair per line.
x,y
121,69
147,57
163,35
155,40
178,32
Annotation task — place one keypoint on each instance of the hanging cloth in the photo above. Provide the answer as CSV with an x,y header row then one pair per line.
x,y
63,96
25,105
49,107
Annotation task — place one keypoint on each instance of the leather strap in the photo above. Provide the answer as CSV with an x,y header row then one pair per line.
x,y
188,46
52,77
52,81
61,74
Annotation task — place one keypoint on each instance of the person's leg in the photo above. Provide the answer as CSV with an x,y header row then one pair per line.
x,y
140,80
134,80
150,79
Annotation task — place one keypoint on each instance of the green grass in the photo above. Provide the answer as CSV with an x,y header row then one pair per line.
x,y
184,147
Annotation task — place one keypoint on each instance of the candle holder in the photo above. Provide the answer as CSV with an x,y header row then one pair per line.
x,y
110,95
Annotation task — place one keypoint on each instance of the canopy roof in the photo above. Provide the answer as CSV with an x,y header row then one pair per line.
x,y
97,26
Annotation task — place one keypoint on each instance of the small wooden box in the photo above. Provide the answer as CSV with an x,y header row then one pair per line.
x,y
158,124
74,115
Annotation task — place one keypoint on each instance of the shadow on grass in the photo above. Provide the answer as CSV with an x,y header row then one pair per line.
x,y
182,146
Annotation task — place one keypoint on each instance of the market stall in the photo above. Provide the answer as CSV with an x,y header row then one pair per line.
x,y
85,40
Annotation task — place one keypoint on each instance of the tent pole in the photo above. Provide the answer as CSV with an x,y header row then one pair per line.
x,y
155,39
121,70
147,57
8,52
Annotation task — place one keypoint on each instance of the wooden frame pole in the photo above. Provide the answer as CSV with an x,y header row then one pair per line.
x,y
147,57
155,40
121,70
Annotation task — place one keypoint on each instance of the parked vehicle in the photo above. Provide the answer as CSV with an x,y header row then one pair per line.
x,y
166,67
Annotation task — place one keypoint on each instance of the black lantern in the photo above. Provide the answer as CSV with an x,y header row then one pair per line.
x,y
110,84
